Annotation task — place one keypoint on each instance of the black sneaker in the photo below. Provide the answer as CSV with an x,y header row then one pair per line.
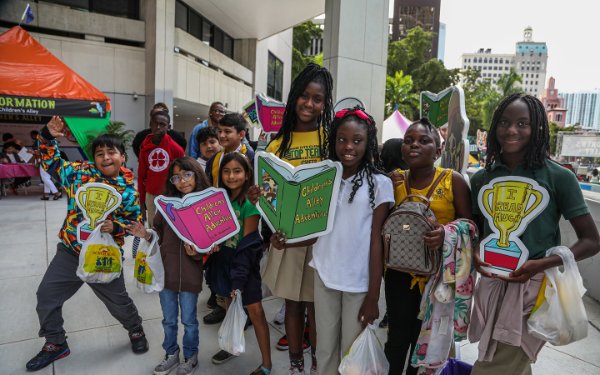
x,y
139,344
215,316
212,301
49,353
221,357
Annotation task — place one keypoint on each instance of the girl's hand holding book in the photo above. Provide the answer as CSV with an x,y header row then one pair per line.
x,y
478,263
278,240
253,194
189,249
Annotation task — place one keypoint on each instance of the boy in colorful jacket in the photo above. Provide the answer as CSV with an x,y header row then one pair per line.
x,y
60,281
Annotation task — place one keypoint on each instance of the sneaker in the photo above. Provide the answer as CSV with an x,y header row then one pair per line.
x,y
49,353
167,364
221,357
384,321
261,370
189,366
282,343
313,370
296,371
215,316
212,301
139,344
280,316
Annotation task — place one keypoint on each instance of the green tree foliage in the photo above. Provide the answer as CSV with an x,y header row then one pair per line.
x,y
476,98
116,129
554,130
399,94
303,34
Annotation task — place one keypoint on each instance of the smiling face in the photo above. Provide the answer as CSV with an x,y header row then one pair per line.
x,y
216,112
108,160
513,130
230,138
186,180
351,145
419,148
209,147
234,177
309,107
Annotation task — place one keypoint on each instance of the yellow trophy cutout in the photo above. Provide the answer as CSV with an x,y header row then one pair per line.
x,y
509,205
96,201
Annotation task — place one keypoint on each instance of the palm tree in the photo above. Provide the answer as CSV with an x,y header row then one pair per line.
x,y
399,95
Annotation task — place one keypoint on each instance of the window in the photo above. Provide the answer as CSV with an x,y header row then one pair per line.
x,y
181,20
195,25
275,77
118,8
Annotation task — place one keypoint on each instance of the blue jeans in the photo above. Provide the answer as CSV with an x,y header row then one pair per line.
x,y
170,302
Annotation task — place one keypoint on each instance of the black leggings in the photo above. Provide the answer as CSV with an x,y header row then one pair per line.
x,y
403,325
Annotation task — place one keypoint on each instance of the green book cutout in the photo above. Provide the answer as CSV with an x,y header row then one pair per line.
x,y
299,201
435,106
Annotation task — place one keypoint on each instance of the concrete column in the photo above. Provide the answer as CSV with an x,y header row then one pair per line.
x,y
355,43
160,43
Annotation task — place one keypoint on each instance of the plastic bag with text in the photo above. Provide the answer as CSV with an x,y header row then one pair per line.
x,y
366,356
561,319
148,270
231,332
99,259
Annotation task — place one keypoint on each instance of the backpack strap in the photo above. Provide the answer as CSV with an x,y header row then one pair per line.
x,y
436,182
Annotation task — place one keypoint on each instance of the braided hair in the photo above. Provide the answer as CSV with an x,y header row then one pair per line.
x,y
371,161
312,73
539,143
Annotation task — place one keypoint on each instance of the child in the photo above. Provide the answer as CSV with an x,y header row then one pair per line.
x,y
60,281
49,186
302,139
450,200
183,272
349,260
239,257
208,141
391,155
157,152
232,130
517,145
594,178
136,144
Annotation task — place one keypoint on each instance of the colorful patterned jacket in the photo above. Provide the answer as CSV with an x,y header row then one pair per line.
x,y
74,175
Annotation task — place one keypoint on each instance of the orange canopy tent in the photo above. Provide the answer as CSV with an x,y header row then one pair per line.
x,y
35,84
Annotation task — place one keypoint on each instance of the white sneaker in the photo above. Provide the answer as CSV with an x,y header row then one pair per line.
x,y
280,317
167,364
296,371
314,371
189,366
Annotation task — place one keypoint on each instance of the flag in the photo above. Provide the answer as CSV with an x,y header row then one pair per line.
x,y
27,15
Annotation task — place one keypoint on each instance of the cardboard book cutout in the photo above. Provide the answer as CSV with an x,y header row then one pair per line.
x,y
435,106
96,201
509,204
455,154
266,112
299,201
202,219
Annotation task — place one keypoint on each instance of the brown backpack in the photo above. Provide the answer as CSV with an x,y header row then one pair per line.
x,y
403,231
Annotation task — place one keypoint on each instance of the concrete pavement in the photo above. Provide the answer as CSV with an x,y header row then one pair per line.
x,y
99,345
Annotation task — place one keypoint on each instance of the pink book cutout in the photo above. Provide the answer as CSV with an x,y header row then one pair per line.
x,y
202,219
270,113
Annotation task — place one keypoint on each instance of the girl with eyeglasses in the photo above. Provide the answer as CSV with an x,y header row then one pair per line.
x,y
183,272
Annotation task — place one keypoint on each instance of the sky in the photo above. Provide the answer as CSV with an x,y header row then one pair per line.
x,y
570,29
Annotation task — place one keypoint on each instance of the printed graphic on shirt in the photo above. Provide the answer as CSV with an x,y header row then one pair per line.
x,y
308,154
158,160
509,204
96,201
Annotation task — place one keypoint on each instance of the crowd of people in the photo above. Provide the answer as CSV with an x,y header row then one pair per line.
x,y
331,284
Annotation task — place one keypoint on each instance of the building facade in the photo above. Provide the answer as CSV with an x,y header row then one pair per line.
x,y
554,104
583,109
529,61
412,13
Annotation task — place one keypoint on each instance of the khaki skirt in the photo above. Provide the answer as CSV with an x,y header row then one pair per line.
x,y
288,274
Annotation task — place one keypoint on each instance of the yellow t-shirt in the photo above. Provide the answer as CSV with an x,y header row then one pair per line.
x,y
442,198
304,148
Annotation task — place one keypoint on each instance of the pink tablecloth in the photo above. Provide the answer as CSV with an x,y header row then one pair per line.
x,y
18,170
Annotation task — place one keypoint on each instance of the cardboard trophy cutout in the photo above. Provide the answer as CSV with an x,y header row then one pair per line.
x,y
202,219
299,201
455,154
266,112
435,106
96,201
509,204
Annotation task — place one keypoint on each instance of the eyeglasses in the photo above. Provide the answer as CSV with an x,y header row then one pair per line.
x,y
505,124
357,111
185,176
218,111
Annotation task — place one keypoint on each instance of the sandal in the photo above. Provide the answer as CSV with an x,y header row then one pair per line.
x,y
44,198
261,370
57,196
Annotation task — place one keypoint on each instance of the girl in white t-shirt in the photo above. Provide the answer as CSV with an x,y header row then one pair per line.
x,y
349,260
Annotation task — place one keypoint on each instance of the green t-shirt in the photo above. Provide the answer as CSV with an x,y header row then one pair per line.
x,y
246,210
565,198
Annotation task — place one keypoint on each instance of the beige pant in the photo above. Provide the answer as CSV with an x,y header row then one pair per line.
x,y
150,209
507,359
337,324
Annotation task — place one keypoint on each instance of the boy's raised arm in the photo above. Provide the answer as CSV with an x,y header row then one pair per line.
x,y
49,152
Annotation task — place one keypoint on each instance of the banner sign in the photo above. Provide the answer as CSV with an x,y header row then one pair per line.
x,y
32,106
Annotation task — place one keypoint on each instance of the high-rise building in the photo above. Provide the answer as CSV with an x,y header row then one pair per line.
x,y
412,13
554,104
583,108
529,61
441,41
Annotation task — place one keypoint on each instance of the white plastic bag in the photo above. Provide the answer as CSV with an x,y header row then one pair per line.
x,y
561,319
148,270
366,356
99,259
231,332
